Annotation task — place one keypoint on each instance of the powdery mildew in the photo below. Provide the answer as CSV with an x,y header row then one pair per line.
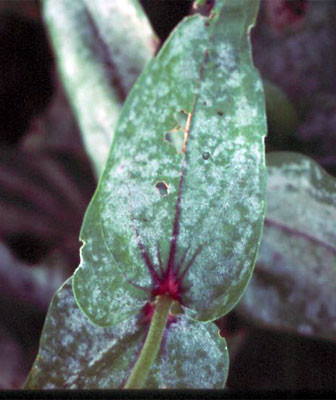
x,y
214,209
193,355
75,354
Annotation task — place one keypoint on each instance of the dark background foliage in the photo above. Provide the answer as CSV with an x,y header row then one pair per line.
x,y
46,179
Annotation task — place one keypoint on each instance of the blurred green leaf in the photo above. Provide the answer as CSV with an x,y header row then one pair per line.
x,y
160,209
101,47
294,285
74,354
281,115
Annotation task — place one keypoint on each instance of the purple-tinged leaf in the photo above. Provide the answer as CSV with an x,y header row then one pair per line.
x,y
101,48
75,354
294,285
180,206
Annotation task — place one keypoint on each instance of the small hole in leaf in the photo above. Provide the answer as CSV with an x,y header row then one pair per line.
x,y
175,139
206,155
167,136
162,187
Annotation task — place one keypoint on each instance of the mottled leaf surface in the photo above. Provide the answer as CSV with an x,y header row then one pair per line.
x,y
194,206
294,285
75,354
101,47
193,355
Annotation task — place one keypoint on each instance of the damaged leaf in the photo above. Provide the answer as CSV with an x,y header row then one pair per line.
x,y
197,243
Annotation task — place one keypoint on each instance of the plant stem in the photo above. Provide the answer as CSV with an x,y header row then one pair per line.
x,y
152,344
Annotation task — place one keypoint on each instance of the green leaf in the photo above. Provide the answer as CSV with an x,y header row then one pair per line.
x,y
101,47
193,356
281,115
197,210
74,354
294,285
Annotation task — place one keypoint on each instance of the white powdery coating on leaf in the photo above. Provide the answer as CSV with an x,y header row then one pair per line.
x,y
245,113
222,200
129,201
227,55
78,355
235,79
222,195
229,201
193,356
101,291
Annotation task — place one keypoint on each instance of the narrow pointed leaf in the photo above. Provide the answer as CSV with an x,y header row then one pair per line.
x,y
74,354
294,285
101,47
182,217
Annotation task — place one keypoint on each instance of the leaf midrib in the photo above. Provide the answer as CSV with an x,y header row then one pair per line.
x,y
295,232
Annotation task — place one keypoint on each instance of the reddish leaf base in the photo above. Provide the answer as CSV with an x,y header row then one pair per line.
x,y
167,281
148,312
